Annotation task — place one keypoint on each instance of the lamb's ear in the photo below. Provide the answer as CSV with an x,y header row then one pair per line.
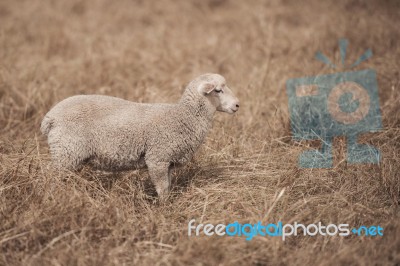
x,y
206,88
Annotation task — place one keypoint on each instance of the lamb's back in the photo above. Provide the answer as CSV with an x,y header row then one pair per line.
x,y
101,113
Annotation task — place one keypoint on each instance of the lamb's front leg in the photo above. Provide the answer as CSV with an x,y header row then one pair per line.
x,y
159,174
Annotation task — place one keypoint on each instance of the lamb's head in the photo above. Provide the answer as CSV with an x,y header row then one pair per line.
x,y
214,88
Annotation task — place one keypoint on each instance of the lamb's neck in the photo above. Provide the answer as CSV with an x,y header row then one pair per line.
x,y
195,117
196,107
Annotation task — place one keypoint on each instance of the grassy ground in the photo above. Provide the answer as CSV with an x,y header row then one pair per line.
x,y
247,169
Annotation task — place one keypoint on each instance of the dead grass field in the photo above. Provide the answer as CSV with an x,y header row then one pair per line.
x,y
146,51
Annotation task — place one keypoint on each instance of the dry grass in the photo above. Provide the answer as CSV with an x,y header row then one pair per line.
x,y
145,51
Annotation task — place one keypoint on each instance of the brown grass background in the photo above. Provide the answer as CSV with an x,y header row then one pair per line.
x,y
246,171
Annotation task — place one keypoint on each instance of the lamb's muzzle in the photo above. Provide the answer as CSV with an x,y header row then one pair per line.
x,y
113,134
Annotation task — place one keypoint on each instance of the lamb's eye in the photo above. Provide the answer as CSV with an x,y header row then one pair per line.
x,y
219,91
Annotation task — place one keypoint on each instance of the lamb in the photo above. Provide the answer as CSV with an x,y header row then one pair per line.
x,y
112,134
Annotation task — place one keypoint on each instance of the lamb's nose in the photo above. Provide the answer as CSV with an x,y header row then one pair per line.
x,y
237,105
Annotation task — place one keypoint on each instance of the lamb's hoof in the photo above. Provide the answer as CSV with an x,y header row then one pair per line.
x,y
163,197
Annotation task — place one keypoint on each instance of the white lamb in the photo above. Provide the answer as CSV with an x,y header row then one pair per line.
x,y
113,134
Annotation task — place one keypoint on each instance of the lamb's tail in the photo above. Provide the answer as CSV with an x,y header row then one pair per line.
x,y
47,125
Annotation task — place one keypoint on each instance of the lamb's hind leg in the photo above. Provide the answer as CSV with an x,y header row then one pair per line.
x,y
159,174
67,153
